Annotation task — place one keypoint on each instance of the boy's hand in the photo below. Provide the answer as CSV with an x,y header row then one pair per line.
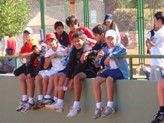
x,y
152,38
106,62
66,50
100,54
84,57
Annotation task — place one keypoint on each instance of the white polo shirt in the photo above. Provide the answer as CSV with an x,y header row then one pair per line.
x,y
158,48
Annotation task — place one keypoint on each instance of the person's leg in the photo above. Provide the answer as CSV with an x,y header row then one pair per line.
x,y
109,110
110,88
47,98
23,86
97,87
45,84
31,90
77,94
78,85
50,85
160,115
40,86
56,81
30,103
97,93
113,74
38,82
160,88
59,82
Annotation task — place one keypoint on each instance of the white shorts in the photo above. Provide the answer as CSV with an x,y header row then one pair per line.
x,y
48,73
155,72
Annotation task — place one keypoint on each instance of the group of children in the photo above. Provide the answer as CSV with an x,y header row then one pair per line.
x,y
58,64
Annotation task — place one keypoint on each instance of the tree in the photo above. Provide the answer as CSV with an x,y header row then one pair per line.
x,y
14,16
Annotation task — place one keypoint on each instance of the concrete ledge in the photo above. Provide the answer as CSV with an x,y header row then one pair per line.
x,y
136,102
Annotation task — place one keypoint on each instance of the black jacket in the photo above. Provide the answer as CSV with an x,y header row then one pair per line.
x,y
74,65
63,39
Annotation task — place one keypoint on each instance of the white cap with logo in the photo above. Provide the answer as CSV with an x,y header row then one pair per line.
x,y
28,29
111,33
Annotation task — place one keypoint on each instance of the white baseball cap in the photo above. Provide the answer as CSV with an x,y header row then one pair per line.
x,y
28,29
111,33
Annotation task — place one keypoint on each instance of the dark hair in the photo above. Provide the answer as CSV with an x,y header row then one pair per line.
x,y
108,16
113,24
57,24
79,35
71,20
159,16
9,49
99,29
34,47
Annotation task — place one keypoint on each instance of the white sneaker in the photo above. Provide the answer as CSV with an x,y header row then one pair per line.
x,y
55,107
21,105
27,107
73,112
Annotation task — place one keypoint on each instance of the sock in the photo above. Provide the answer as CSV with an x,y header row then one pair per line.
x,y
31,100
40,97
99,105
24,98
55,99
47,96
161,108
110,104
76,104
60,102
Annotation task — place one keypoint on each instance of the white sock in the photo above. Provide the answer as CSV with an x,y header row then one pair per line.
x,y
24,98
110,104
99,105
47,96
60,102
55,99
31,100
76,104
40,97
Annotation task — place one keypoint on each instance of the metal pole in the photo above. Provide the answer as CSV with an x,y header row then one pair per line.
x,y
66,6
103,11
42,11
86,13
140,20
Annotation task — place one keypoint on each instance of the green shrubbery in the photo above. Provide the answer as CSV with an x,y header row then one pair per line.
x,y
126,19
14,16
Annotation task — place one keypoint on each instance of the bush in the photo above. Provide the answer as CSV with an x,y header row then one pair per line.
x,y
126,19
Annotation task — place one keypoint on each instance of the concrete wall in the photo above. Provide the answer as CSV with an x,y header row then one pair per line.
x,y
136,102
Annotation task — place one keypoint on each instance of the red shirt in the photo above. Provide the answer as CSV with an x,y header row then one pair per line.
x,y
27,47
11,42
83,29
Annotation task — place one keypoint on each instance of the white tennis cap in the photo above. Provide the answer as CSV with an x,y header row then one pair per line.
x,y
111,33
28,29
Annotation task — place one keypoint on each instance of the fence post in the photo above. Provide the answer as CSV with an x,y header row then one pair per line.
x,y
140,20
42,11
86,13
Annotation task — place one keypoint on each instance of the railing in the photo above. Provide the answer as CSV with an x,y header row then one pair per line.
x,y
130,57
138,56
